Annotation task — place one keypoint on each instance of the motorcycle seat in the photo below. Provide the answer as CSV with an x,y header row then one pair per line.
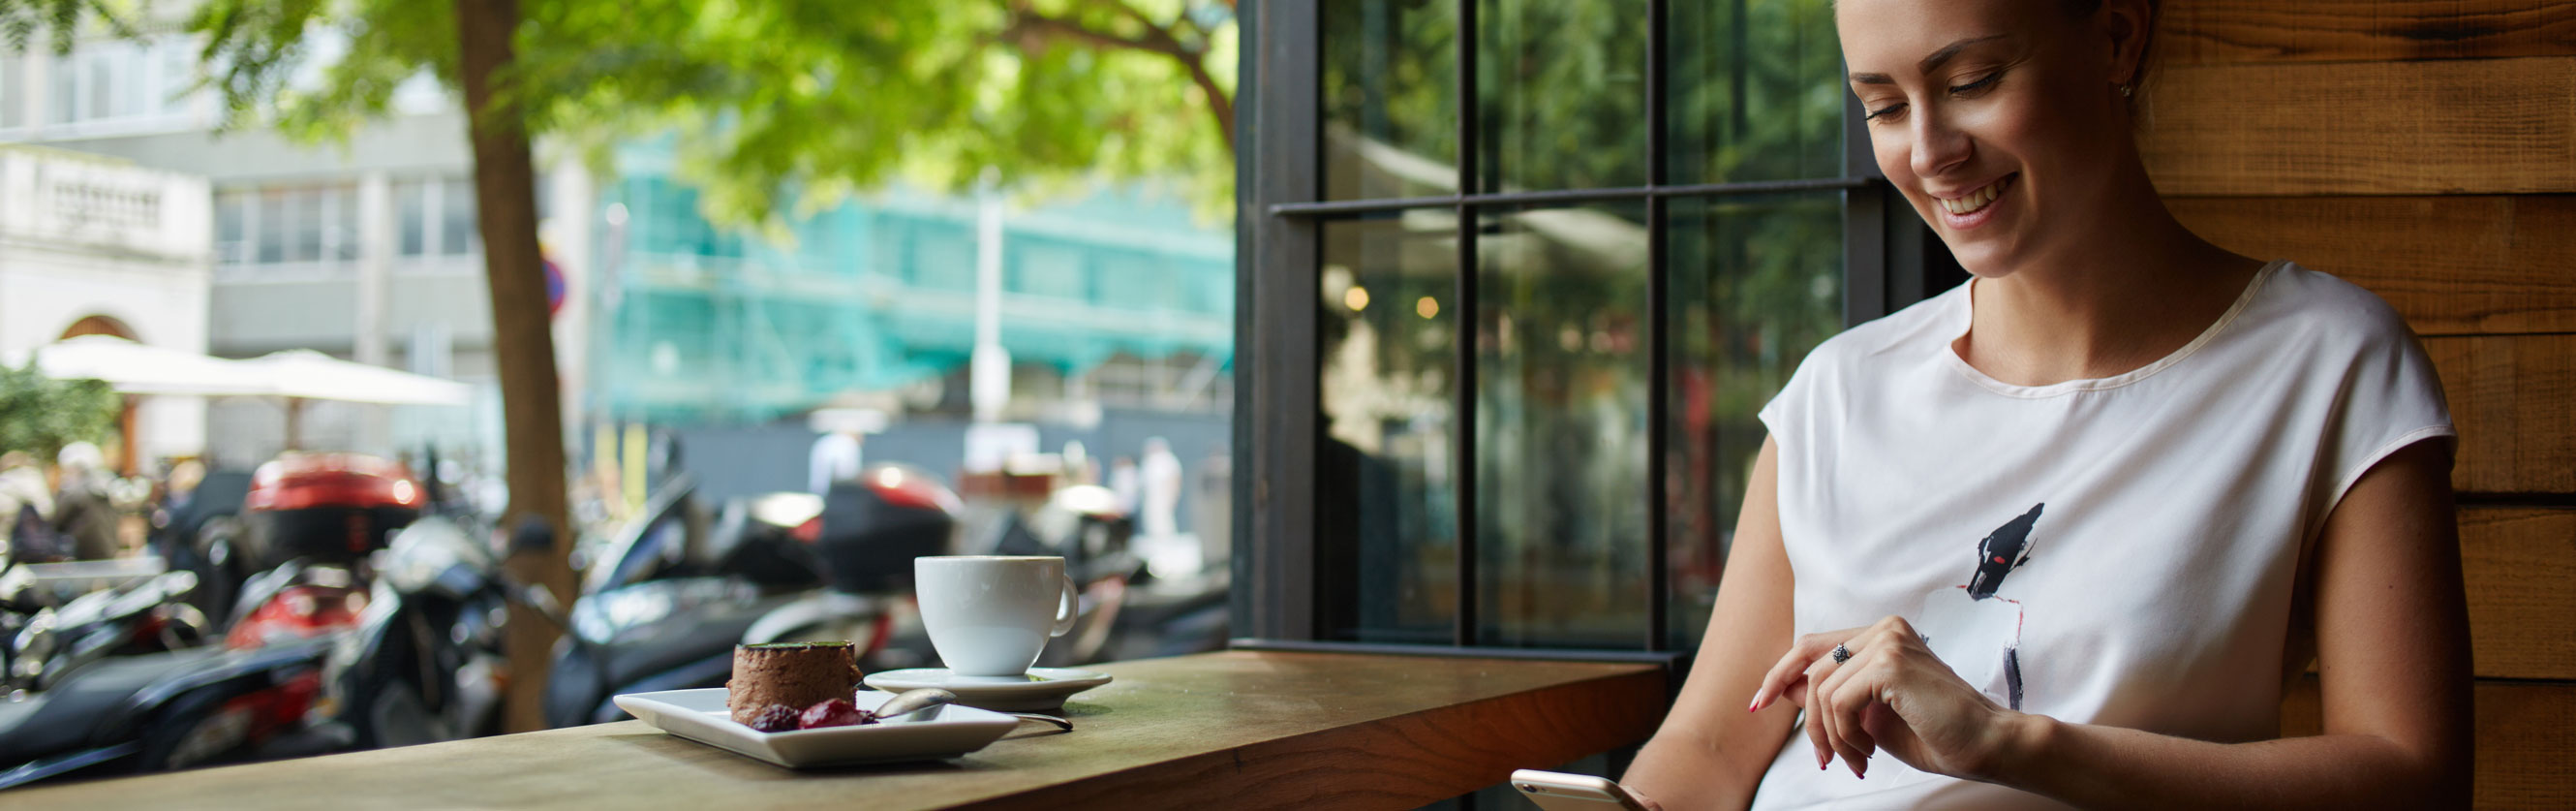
x,y
91,706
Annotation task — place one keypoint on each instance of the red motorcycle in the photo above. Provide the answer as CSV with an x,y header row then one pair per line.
x,y
311,524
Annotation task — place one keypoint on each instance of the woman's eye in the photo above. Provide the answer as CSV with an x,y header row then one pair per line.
x,y
1975,86
1887,110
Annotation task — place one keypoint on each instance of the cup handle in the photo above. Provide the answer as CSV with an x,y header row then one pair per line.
x,y
1068,608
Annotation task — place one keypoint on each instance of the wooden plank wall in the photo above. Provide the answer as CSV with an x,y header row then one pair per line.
x,y
2425,149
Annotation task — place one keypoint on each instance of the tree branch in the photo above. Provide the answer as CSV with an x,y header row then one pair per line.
x,y
1158,39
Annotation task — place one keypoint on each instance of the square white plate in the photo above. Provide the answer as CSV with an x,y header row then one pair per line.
x,y
700,715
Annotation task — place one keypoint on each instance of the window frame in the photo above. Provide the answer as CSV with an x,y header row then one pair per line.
x,y
1889,261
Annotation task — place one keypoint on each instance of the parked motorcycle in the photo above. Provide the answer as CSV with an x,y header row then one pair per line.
x,y
298,565
170,710
144,615
780,567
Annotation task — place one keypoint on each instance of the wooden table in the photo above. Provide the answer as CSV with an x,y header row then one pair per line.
x,y
1236,729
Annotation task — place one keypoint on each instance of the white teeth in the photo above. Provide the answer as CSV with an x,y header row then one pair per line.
x,y
1973,201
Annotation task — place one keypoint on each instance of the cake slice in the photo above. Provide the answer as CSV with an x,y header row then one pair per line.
x,y
795,674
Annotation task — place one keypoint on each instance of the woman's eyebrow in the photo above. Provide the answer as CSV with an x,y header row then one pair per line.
x,y
1933,62
1929,63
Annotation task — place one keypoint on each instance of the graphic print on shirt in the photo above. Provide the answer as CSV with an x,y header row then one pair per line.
x,y
1971,628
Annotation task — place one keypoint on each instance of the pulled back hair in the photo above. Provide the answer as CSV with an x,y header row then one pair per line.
x,y
2080,9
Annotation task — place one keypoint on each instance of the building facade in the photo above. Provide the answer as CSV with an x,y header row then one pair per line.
x,y
92,245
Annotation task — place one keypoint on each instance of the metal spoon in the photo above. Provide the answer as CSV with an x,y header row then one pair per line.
x,y
912,701
1045,719
916,700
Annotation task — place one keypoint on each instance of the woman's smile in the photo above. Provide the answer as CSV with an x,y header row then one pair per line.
x,y
1974,207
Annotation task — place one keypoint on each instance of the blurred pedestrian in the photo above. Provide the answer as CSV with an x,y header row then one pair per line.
x,y
835,458
25,501
1161,472
1123,484
82,509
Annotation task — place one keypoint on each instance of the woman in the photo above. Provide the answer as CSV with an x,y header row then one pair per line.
x,y
2062,535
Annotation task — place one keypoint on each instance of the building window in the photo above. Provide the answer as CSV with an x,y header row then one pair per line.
x,y
232,228
13,90
311,226
121,80
411,217
457,235
1517,294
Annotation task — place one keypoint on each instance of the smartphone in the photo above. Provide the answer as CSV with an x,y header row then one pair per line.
x,y
1557,791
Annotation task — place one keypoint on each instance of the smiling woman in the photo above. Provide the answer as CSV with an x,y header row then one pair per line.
x,y
2057,535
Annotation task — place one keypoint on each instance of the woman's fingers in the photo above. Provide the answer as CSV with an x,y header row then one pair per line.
x,y
1816,735
1792,667
1843,699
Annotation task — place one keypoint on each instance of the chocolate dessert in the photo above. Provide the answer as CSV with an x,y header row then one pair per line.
x,y
795,674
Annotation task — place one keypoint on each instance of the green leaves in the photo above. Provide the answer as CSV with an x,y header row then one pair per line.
x,y
40,415
781,106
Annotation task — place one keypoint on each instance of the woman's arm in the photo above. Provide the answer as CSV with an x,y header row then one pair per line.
x,y
2392,639
1710,753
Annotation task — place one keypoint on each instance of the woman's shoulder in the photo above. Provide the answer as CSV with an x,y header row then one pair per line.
x,y
1931,323
2325,308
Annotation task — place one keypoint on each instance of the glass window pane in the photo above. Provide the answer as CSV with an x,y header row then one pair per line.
x,y
1561,391
178,74
1756,91
304,237
229,227
1385,494
66,93
343,237
1390,98
102,87
272,225
411,216
13,90
457,234
1562,84
1756,282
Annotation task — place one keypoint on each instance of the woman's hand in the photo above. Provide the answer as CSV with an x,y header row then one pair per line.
x,y
1893,694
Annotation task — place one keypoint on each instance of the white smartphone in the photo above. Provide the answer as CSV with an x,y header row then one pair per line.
x,y
1558,791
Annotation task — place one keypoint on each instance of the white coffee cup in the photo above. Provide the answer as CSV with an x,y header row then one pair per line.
x,y
991,615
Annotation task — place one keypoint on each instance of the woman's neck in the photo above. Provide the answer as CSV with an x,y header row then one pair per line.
x,y
2142,288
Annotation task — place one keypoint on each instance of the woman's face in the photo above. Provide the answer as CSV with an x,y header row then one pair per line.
x,y
1997,119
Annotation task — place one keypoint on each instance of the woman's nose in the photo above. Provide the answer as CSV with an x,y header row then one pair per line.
x,y
1938,145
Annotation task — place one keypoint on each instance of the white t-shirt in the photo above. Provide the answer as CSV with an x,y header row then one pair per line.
x,y
2112,551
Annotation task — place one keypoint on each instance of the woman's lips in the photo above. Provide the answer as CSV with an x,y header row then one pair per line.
x,y
1974,208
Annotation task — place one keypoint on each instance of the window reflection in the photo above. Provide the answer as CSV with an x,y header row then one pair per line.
x,y
1561,383
1389,93
1756,282
1562,84
1756,91
1385,492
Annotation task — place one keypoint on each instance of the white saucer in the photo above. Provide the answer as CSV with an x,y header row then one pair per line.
x,y
1044,688
700,715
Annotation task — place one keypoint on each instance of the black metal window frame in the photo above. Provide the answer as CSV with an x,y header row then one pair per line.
x,y
1890,260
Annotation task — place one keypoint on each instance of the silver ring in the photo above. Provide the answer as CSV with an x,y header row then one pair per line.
x,y
1841,654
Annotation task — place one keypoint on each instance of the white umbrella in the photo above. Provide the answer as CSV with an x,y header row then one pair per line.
x,y
303,374
310,375
133,368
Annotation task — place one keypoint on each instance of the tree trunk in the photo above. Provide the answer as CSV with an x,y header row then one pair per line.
x,y
522,341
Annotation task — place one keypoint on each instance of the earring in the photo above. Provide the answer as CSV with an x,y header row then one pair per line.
x,y
2128,90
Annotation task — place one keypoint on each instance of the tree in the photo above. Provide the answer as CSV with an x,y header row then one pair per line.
x,y
771,100
40,415
777,105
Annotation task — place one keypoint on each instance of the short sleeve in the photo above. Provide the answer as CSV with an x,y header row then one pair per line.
x,y
1790,411
2390,397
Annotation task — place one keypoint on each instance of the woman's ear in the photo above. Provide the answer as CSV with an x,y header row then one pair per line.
x,y
2129,25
